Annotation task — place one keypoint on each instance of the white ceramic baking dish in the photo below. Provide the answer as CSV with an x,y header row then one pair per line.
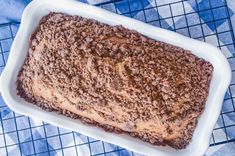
x,y
31,17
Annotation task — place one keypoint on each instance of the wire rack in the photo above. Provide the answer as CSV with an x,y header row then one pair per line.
x,y
138,9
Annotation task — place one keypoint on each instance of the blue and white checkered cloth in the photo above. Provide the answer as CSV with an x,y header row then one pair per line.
x,y
212,21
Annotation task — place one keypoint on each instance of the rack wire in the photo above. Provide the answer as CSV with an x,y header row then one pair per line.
x,y
10,122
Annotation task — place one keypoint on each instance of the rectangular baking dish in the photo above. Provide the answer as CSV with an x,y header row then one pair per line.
x,y
30,20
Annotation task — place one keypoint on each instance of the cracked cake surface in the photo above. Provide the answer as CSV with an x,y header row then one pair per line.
x,y
115,78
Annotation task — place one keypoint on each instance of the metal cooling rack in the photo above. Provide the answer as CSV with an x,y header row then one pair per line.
x,y
9,30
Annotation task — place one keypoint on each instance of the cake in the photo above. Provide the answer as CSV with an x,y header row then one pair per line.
x,y
115,78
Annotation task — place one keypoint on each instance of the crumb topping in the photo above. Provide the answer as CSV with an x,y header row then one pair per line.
x,y
111,69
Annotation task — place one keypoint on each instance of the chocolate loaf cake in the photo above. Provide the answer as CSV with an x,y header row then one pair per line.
x,y
115,78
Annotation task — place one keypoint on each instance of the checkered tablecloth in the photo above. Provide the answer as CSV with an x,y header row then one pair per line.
x,y
212,21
